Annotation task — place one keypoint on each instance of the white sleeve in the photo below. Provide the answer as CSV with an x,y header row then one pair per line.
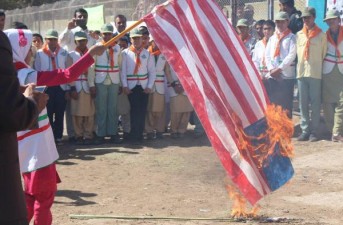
x,y
292,53
151,71
65,38
123,73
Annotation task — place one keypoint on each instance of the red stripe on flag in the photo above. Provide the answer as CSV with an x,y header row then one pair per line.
x,y
32,132
171,52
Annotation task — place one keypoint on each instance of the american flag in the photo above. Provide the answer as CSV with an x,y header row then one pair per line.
x,y
222,84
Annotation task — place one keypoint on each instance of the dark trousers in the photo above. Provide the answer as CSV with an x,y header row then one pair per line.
x,y
138,104
280,92
55,107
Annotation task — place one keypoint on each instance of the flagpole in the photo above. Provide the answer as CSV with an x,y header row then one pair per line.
x,y
114,39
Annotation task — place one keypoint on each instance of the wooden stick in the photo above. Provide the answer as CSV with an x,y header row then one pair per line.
x,y
114,39
73,216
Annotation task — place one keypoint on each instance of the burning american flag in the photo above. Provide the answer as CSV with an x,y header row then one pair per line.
x,y
251,138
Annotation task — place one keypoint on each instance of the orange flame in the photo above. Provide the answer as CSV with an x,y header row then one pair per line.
x,y
239,206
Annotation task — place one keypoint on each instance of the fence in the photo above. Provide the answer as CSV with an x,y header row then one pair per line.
x,y
57,15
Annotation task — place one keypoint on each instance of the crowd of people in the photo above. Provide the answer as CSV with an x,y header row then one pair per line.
x,y
293,50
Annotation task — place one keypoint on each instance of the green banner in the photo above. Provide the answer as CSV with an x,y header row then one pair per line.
x,y
95,17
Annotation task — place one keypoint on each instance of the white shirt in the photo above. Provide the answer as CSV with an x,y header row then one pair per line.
x,y
67,41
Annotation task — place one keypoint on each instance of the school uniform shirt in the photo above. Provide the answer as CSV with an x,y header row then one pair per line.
x,y
43,62
258,57
286,59
67,40
333,56
146,73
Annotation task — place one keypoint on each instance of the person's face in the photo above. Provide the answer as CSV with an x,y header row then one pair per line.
x,y
309,21
284,8
81,19
333,23
120,24
240,12
244,31
268,31
37,42
145,40
137,42
123,44
259,30
52,43
2,22
106,36
81,44
281,25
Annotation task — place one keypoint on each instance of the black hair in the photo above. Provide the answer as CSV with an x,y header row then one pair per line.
x,y
289,3
120,16
2,12
19,25
125,38
269,23
38,35
143,30
260,23
80,10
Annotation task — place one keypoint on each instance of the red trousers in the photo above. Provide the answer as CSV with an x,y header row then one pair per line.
x,y
39,207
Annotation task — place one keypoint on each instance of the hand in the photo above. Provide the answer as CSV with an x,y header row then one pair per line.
x,y
120,90
71,24
275,73
41,100
97,50
92,90
74,95
126,90
93,35
147,90
27,90
178,88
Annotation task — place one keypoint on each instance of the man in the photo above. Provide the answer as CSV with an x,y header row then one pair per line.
x,y
244,35
259,54
16,113
295,21
240,10
311,50
120,23
258,29
280,60
49,58
332,92
138,74
2,19
106,86
66,40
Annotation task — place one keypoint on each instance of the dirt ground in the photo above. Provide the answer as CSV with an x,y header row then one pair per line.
x,y
184,178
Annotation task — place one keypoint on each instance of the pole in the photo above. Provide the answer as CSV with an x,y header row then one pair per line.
x,y
114,39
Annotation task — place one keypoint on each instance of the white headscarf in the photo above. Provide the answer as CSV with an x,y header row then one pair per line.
x,y
21,41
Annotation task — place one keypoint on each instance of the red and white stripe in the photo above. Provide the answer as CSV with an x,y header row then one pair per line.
x,y
219,78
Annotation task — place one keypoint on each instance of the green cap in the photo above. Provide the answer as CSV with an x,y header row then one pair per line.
x,y
332,14
107,28
242,23
51,34
135,33
80,35
281,16
309,11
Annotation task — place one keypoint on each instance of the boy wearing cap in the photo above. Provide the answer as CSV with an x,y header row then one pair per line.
x,y
280,60
145,36
105,85
295,21
311,50
332,92
82,103
244,35
49,58
138,75
259,54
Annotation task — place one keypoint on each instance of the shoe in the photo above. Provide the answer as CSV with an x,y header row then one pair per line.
x,y
174,135
150,136
98,140
313,138
126,136
337,138
58,141
79,141
88,141
116,139
159,135
303,137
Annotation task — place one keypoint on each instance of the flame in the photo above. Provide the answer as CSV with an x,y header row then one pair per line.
x,y
239,206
